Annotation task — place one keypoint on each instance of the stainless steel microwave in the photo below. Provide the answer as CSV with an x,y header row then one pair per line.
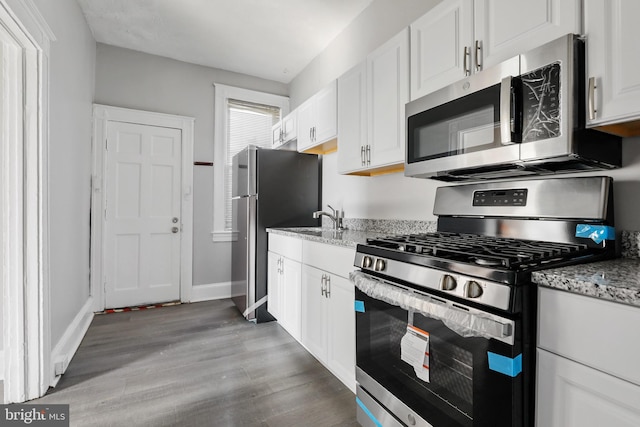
x,y
524,116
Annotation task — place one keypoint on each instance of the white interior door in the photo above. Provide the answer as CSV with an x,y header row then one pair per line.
x,y
143,223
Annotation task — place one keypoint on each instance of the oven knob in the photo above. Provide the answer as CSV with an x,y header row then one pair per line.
x,y
366,262
448,283
380,265
472,289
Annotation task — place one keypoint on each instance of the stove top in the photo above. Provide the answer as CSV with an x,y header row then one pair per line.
x,y
486,251
489,241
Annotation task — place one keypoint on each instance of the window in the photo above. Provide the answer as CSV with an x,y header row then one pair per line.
x,y
248,123
242,117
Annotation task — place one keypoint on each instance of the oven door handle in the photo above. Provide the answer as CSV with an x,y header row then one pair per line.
x,y
464,321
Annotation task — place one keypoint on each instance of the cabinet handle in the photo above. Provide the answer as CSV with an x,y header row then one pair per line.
x,y
368,155
592,98
322,284
327,291
362,155
314,134
466,65
478,55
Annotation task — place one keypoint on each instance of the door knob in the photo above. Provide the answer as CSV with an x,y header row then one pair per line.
x,y
175,220
175,229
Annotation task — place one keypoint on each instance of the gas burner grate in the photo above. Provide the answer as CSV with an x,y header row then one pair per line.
x,y
482,250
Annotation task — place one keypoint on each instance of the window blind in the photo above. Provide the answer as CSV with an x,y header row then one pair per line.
x,y
248,124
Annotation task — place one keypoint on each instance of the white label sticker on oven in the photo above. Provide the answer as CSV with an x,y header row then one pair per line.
x,y
414,349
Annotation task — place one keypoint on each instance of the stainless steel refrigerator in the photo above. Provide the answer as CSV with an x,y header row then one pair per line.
x,y
271,188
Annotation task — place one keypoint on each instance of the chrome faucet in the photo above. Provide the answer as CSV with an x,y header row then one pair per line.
x,y
336,216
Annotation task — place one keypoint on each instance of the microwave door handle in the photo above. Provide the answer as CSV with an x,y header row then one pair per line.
x,y
505,111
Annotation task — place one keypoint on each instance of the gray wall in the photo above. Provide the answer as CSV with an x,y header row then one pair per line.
x,y
130,79
375,25
395,196
72,66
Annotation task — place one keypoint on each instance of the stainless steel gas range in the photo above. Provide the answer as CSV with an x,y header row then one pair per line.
x,y
445,321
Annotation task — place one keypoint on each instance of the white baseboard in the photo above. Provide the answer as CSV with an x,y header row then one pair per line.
x,y
63,352
211,291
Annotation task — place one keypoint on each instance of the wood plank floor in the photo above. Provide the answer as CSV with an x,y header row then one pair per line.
x,y
197,364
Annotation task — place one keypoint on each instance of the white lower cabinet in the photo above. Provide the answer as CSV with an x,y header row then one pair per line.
x,y
312,298
328,321
587,362
574,395
284,282
328,317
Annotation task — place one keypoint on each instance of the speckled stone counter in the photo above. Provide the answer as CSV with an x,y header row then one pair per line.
x,y
349,238
357,230
615,280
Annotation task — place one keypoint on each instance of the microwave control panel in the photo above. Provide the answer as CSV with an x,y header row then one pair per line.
x,y
513,197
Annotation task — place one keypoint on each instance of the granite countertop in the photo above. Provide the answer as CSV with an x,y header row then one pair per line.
x,y
349,238
614,280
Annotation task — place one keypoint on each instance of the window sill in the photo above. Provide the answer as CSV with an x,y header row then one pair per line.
x,y
224,236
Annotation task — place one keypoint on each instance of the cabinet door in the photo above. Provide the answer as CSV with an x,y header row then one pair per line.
x,y
276,135
613,58
306,121
506,28
314,313
388,81
291,297
342,330
573,395
274,285
438,42
289,126
326,126
352,119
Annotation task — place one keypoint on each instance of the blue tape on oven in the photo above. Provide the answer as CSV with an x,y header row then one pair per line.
x,y
359,306
505,365
368,412
597,233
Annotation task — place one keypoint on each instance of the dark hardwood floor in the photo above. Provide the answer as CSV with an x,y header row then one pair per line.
x,y
197,364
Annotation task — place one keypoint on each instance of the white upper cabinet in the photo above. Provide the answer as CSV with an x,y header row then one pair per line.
x,y
613,61
461,37
505,28
317,124
284,131
440,46
371,102
352,118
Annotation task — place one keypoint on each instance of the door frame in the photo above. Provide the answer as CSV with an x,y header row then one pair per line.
x,y
102,115
24,211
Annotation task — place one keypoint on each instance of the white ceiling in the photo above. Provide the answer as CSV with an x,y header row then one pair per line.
x,y
272,39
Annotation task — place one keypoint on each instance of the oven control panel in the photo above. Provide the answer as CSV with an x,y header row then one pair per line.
x,y
512,197
468,288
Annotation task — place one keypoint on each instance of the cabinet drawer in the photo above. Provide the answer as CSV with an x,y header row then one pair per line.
x,y
333,259
597,333
286,246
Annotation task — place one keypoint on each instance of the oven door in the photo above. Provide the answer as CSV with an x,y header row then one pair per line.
x,y
465,379
471,124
